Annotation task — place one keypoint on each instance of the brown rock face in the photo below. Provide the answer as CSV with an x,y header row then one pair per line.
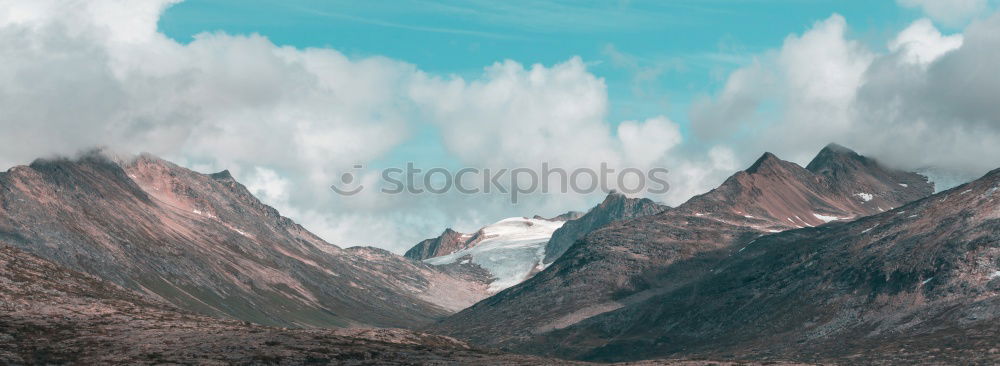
x,y
631,261
448,242
205,244
616,207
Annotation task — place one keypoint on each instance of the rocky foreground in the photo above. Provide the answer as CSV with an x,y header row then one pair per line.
x,y
50,315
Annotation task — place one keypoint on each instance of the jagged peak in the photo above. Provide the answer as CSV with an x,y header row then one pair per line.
x,y
98,155
834,147
834,154
223,175
569,215
614,196
767,160
451,232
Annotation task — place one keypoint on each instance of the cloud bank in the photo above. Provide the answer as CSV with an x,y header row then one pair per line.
x,y
923,102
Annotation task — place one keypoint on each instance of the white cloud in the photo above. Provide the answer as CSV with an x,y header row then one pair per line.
x,y
922,103
646,143
951,12
807,86
922,43
515,116
288,121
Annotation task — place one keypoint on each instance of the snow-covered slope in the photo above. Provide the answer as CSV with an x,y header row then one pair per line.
x,y
511,250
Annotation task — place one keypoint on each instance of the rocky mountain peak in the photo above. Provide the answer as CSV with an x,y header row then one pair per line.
x,y
448,242
223,175
835,157
768,163
571,215
615,207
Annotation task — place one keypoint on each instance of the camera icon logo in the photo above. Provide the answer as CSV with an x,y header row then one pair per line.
x,y
347,186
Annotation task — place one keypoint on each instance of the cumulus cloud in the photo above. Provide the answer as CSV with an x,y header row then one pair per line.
x,y
517,116
288,122
807,85
647,142
80,74
923,102
951,12
941,112
921,43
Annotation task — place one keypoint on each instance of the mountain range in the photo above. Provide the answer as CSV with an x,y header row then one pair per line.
x,y
108,259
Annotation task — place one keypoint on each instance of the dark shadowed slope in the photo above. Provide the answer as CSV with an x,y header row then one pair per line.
x,y
205,244
630,261
918,284
615,207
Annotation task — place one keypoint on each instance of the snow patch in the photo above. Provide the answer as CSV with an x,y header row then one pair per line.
x,y
869,229
513,249
826,218
241,232
926,281
904,185
865,196
995,275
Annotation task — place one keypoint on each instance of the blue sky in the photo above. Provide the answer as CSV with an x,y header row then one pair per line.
x,y
655,56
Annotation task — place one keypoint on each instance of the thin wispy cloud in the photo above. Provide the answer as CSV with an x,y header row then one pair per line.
x,y
390,24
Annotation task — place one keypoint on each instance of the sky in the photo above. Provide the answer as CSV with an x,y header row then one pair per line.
x,y
291,95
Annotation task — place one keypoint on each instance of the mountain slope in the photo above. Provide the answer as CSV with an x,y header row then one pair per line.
x,y
205,244
615,207
917,284
50,315
631,261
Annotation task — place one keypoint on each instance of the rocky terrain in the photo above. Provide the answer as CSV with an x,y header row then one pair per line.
x,y
917,284
632,261
205,244
615,207
50,315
